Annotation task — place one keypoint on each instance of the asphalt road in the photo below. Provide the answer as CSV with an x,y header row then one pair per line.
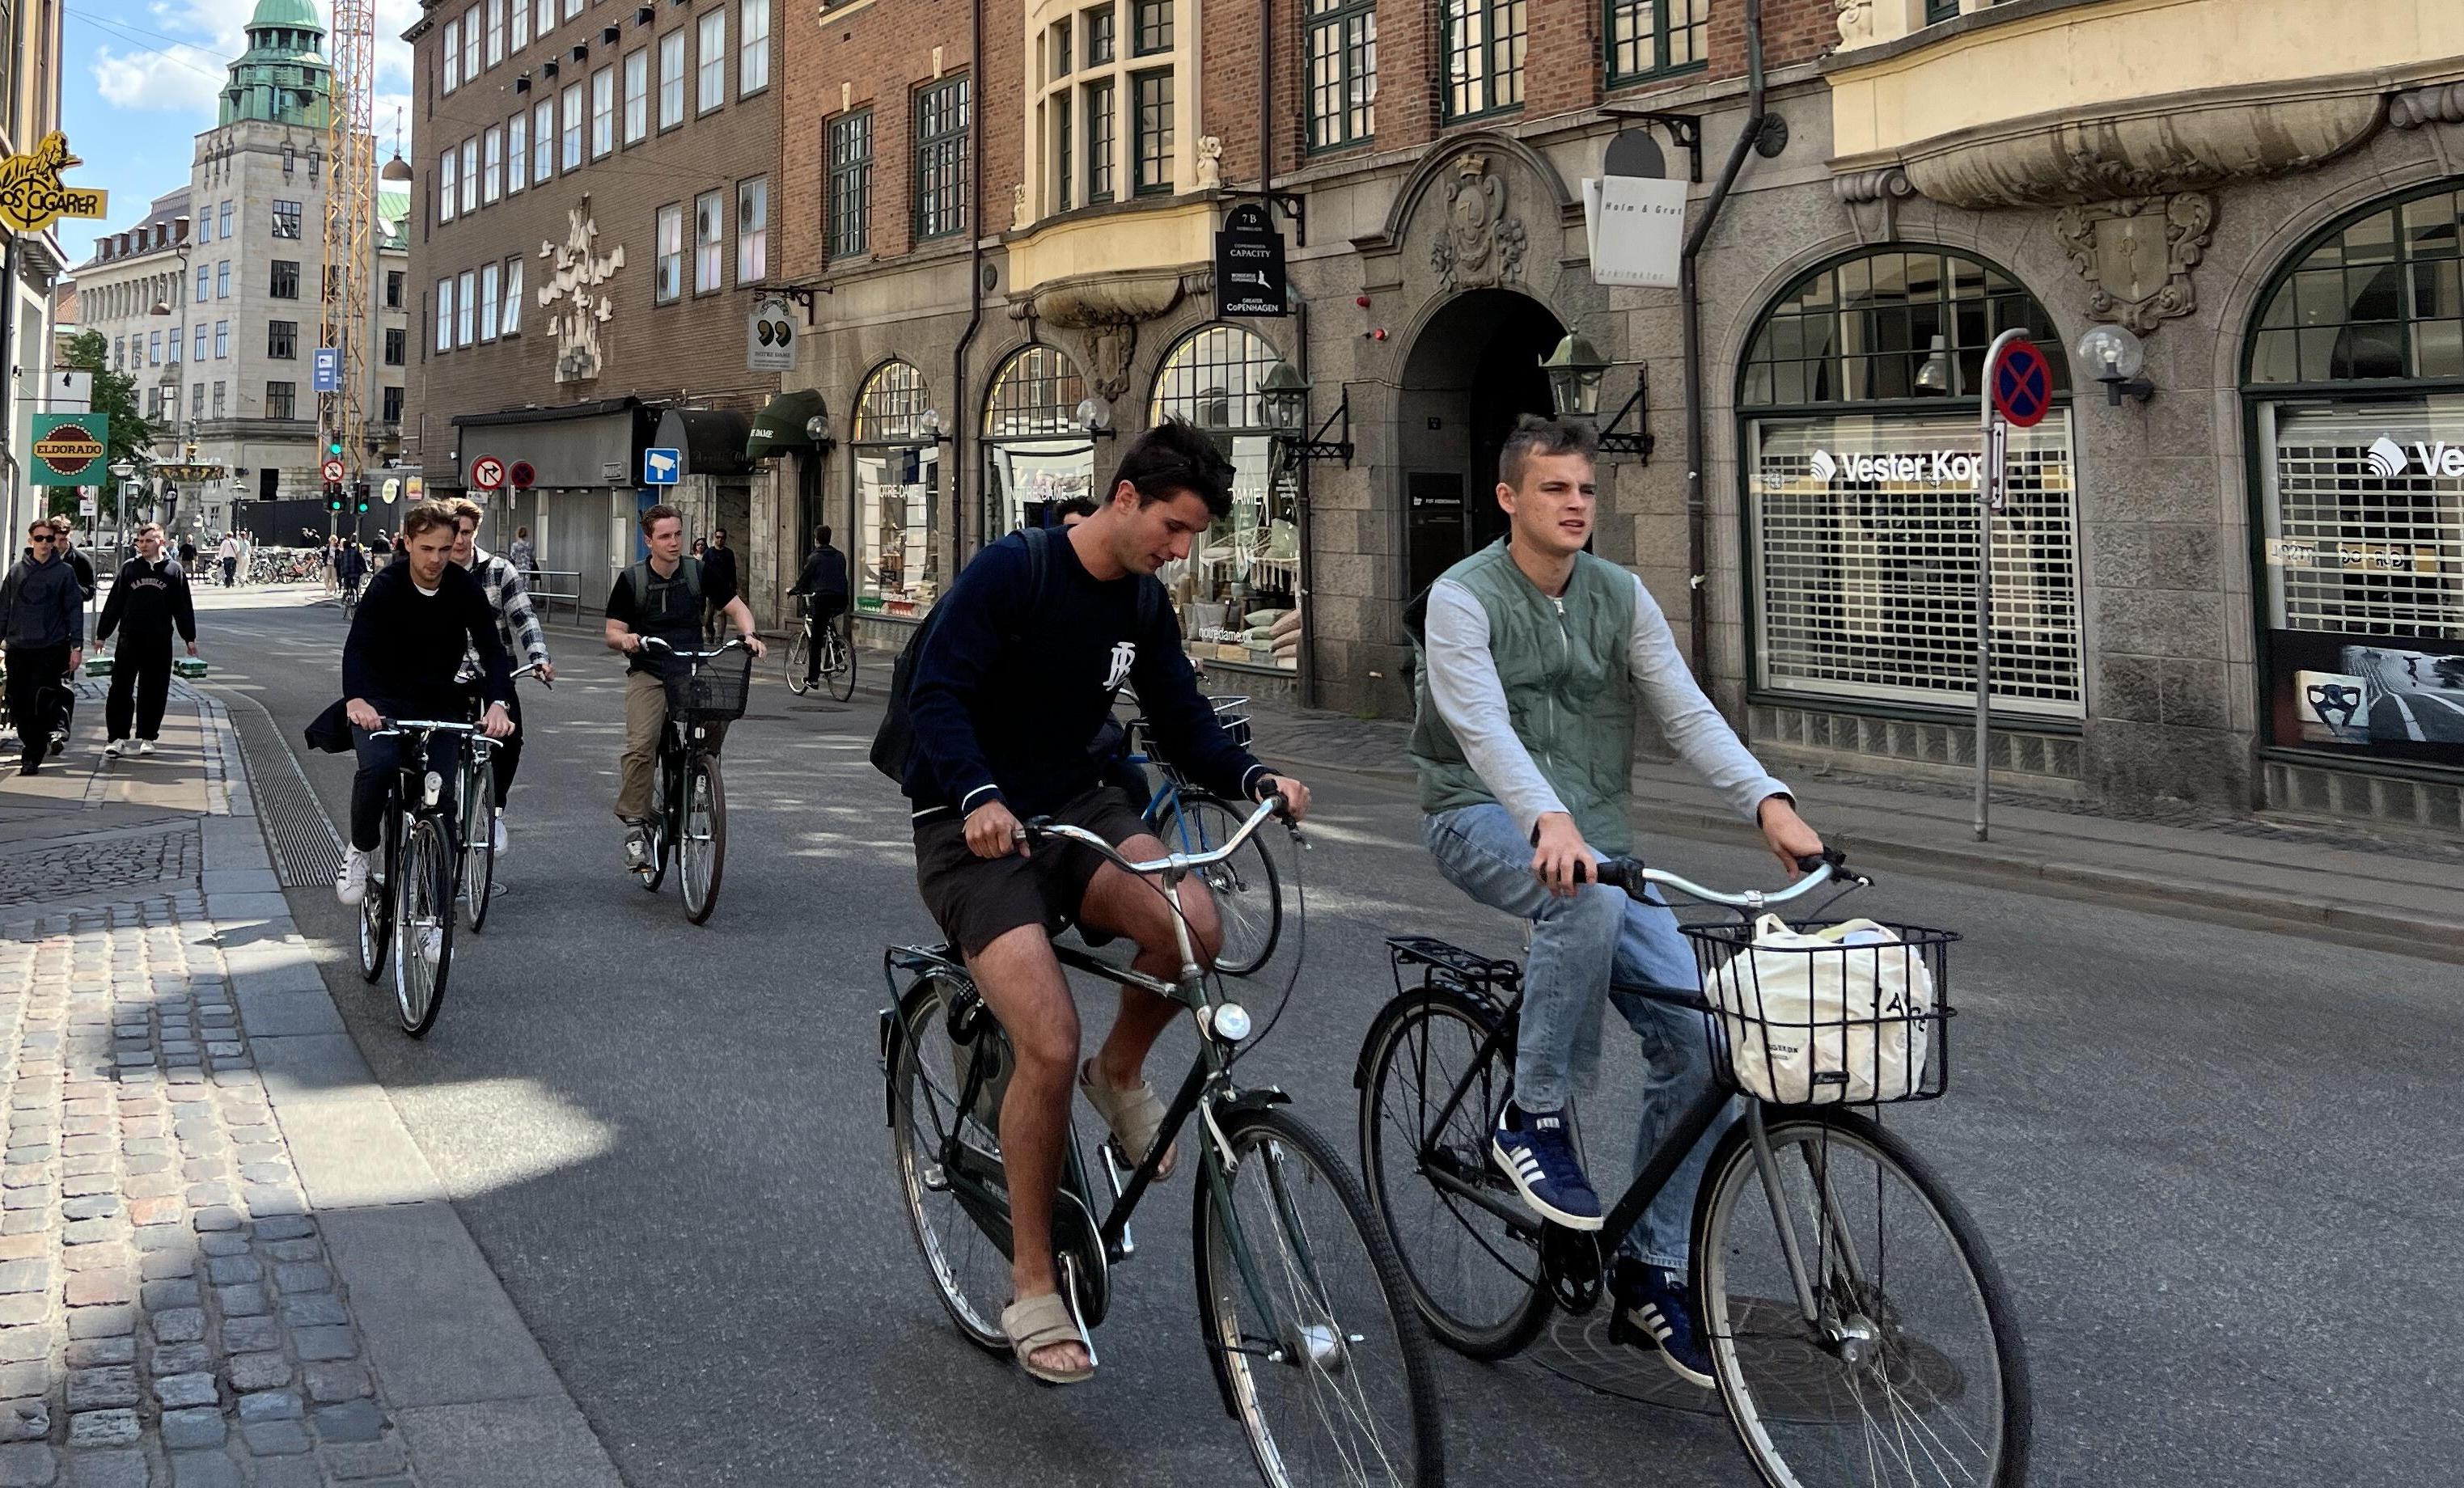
x,y
2221,1169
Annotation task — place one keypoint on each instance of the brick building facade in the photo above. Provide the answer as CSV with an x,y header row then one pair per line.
x,y
596,198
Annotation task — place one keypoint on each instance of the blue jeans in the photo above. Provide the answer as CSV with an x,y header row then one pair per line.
x,y
1595,944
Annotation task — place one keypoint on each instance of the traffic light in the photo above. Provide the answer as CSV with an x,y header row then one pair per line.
x,y
334,497
361,494
334,448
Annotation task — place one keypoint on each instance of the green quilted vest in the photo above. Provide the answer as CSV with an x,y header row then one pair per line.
x,y
1563,663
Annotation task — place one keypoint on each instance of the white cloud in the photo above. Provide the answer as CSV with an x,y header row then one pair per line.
x,y
186,76
177,79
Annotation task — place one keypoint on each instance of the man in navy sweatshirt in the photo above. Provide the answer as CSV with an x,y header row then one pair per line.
x,y
148,600
1008,688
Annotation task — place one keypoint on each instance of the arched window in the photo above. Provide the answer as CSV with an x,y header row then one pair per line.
x,y
2356,390
896,459
1857,404
1037,449
1238,588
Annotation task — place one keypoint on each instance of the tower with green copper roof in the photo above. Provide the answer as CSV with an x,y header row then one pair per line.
x,y
283,77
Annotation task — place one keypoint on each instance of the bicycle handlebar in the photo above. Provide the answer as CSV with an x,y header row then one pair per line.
x,y
1630,875
1272,806
733,644
394,728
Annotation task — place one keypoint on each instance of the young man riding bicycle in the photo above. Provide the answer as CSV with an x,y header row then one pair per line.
x,y
517,629
659,597
1009,685
1535,653
403,660
822,586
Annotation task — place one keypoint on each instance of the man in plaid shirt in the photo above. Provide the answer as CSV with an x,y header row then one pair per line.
x,y
517,628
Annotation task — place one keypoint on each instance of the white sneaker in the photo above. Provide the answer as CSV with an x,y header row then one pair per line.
x,y
118,747
496,839
353,885
145,746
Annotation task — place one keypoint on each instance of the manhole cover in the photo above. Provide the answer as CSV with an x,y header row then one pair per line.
x,y
1791,1378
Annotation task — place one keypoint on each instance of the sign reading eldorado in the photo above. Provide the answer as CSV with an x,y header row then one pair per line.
x,y
69,449
32,197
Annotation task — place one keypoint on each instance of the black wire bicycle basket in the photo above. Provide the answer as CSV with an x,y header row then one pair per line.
x,y
711,688
1231,711
1862,1018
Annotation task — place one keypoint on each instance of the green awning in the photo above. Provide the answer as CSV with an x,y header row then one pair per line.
x,y
781,426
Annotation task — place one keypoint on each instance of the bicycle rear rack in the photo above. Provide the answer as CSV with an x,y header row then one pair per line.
x,y
1445,964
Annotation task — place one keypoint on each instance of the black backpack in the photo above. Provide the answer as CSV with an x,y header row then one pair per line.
x,y
895,741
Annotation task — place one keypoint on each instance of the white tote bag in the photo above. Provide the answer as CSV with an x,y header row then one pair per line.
x,y
1838,1016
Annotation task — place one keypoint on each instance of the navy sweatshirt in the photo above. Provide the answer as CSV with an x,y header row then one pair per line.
x,y
150,600
1007,693
405,646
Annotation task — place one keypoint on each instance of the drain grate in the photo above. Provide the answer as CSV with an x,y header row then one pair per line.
x,y
306,851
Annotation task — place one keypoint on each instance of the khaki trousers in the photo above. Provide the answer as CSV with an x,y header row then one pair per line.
x,y
646,714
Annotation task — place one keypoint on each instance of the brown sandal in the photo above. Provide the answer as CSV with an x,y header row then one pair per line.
x,y
1041,1322
1135,1116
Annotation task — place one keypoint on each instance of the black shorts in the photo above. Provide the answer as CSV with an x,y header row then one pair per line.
x,y
976,901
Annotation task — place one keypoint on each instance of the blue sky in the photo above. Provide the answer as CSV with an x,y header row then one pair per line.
x,y
139,79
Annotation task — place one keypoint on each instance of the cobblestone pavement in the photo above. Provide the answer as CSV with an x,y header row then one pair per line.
x,y
95,862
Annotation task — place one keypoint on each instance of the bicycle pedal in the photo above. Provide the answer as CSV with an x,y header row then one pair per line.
x,y
1570,1261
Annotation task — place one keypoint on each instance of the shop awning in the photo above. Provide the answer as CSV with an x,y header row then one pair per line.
x,y
781,426
712,440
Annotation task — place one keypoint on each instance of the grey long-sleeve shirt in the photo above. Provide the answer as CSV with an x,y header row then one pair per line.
x,y
1465,686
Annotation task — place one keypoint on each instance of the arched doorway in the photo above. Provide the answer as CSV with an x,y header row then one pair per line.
x,y
1472,371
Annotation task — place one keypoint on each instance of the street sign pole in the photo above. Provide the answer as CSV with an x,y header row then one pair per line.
x,y
1989,501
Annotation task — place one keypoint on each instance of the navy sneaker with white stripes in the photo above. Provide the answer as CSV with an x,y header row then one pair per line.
x,y
1656,1307
1537,1152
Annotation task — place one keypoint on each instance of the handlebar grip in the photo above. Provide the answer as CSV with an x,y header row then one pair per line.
x,y
1828,858
1625,873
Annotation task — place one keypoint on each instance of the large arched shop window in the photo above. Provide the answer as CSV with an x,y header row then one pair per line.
x,y
1857,404
2356,386
1036,452
897,461
1236,590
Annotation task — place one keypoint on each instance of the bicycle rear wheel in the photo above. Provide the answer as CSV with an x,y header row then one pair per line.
x,y
1912,1371
701,849
422,951
1248,896
376,908
1476,1277
1307,1320
799,652
478,844
969,1264
840,659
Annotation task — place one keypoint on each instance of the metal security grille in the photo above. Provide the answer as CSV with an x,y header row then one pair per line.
x,y
1865,534
2365,517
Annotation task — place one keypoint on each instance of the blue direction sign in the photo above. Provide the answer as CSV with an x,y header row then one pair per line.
x,y
2023,385
328,373
661,466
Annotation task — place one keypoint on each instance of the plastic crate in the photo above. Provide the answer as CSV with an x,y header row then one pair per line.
x,y
188,667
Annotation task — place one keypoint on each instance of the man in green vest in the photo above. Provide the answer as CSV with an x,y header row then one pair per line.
x,y
1534,655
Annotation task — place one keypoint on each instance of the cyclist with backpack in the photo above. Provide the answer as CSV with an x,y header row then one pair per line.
x,y
659,596
992,711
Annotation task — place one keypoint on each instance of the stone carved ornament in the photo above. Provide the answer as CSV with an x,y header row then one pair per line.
x,y
1482,247
1106,313
1856,22
580,271
2138,254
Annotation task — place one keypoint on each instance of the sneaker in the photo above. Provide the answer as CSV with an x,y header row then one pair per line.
x,y
637,846
59,741
118,747
1537,1152
1657,1307
497,836
352,885
145,746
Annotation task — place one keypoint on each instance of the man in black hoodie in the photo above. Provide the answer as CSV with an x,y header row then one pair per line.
x,y
148,600
42,623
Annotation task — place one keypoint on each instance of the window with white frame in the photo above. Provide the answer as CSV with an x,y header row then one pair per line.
x,y
753,47
221,339
509,320
710,241
752,229
546,18
714,62
603,112
521,24
1093,99
637,94
449,172
572,105
470,177
573,8
486,302
544,143
497,31
492,158
672,79
518,151
466,292
452,50
669,281
470,44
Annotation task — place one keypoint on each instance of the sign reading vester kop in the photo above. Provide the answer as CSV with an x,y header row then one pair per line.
x,y
661,466
1635,218
487,472
1249,278
770,337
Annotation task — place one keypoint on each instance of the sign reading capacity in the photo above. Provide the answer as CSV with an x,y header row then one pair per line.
x,y
1249,263
69,448
32,197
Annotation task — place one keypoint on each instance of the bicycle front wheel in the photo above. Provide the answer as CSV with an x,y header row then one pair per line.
x,y
1475,1277
1910,1369
478,844
1248,896
928,1073
423,948
1307,1321
800,652
701,852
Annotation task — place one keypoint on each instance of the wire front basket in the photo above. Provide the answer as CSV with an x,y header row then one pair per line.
x,y
710,688
1818,1013
1232,713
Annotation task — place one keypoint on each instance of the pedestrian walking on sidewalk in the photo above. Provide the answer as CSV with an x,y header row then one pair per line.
x,y
42,627
525,558
719,586
188,552
229,556
65,722
148,600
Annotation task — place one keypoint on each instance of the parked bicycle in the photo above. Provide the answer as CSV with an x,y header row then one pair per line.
x,y
1860,1331
1248,896
476,798
835,639
410,899
706,690
1308,1323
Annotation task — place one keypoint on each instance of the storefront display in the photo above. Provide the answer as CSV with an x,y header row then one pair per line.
x,y
1038,454
1237,591
896,459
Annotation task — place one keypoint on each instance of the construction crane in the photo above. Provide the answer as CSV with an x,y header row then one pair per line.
x,y
350,220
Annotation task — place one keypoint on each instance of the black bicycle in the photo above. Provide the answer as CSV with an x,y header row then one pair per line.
x,y
1248,896
1308,1326
706,690
476,797
835,639
1858,1329
409,904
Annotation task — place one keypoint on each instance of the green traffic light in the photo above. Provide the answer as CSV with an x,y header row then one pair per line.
x,y
335,447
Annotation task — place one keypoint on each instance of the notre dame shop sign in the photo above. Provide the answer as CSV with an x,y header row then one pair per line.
x,y
32,197
69,449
